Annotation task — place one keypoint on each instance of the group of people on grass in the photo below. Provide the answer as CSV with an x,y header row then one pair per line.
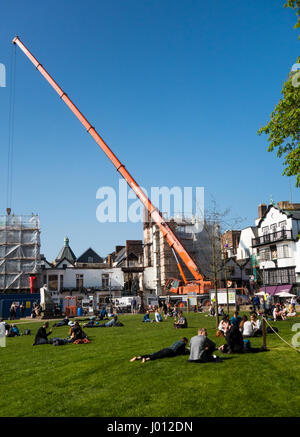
x,y
179,319
248,328
76,333
202,348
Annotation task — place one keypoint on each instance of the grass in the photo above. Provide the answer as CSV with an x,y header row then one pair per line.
x,y
97,379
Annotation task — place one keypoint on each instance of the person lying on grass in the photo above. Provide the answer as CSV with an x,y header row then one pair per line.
x,y
202,348
181,322
177,348
109,324
42,336
63,322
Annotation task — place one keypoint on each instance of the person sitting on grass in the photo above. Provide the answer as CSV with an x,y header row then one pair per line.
x,y
220,310
277,313
236,319
158,316
292,311
177,348
256,323
234,340
103,314
14,331
147,317
221,327
212,311
284,311
77,332
202,348
181,321
246,327
42,336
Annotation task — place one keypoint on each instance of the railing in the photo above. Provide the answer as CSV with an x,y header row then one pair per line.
x,y
271,238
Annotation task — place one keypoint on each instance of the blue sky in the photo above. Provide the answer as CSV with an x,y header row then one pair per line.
x,y
178,90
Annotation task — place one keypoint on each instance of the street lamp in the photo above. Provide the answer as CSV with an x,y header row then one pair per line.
x,y
264,265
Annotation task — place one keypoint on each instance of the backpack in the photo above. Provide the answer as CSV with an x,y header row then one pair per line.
x,y
26,332
247,344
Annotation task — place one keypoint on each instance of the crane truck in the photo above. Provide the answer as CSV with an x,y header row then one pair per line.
x,y
199,284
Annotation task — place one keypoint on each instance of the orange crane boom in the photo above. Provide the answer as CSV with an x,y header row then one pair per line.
x,y
155,214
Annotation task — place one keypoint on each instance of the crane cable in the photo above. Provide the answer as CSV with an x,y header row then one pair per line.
x,y
11,116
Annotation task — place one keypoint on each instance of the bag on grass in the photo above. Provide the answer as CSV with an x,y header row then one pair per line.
x,y
26,332
247,344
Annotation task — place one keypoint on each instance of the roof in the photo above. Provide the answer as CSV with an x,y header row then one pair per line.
x,y
295,214
66,252
90,253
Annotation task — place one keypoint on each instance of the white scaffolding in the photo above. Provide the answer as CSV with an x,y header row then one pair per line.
x,y
19,250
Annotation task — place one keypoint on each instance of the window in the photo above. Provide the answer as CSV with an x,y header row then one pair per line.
x,y
265,254
52,282
274,253
273,227
282,225
79,281
105,280
61,282
90,259
283,251
45,279
265,230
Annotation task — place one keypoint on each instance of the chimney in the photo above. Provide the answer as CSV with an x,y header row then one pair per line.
x,y
262,208
109,260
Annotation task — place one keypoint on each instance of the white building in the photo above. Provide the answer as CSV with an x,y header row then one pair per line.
x,y
277,246
82,277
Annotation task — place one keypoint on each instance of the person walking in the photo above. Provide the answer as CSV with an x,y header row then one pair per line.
x,y
13,311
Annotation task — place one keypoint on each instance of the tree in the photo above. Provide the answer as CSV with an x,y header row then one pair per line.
x,y
294,4
209,249
283,129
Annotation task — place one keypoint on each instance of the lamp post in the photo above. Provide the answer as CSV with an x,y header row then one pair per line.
x,y
264,336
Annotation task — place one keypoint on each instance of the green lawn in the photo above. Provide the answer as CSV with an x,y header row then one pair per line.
x,y
97,379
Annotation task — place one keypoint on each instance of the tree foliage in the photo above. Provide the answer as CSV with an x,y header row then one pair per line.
x,y
283,129
294,4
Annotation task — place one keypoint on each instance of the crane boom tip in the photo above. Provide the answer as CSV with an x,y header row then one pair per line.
x,y
15,39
